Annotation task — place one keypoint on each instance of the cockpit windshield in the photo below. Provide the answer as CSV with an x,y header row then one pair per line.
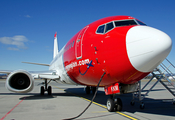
x,y
141,23
125,23
109,26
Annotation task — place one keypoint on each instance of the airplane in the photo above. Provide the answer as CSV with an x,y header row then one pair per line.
x,y
118,50
3,76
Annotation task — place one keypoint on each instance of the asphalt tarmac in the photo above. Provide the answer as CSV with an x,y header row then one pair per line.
x,y
69,101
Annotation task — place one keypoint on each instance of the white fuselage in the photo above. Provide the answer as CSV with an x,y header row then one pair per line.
x,y
57,64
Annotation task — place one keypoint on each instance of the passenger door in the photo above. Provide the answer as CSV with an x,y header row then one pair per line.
x,y
78,47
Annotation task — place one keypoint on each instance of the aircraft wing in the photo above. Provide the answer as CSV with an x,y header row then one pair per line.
x,y
22,81
51,74
6,71
36,63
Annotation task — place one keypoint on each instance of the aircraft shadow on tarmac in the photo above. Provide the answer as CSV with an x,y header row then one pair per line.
x,y
152,106
45,96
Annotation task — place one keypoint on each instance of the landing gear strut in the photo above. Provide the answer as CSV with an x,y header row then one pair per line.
x,y
45,88
114,104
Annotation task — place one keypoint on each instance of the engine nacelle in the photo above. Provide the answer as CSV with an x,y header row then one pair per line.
x,y
20,81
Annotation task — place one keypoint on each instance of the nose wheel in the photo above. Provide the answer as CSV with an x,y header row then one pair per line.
x,y
114,104
110,105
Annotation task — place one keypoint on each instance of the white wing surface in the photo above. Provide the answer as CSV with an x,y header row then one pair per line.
x,y
22,81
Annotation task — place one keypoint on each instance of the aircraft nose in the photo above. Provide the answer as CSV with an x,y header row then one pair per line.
x,y
147,47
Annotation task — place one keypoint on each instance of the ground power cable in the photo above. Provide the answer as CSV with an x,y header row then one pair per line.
x,y
91,100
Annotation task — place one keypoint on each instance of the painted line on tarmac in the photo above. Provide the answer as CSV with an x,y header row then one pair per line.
x,y
124,115
11,110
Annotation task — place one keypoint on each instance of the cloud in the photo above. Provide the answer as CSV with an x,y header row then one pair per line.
x,y
17,41
27,16
11,48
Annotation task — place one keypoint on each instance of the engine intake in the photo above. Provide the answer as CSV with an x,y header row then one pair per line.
x,y
20,81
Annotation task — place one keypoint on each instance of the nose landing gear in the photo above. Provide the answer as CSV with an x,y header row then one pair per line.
x,y
113,104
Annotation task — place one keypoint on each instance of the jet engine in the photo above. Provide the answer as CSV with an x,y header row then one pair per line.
x,y
20,81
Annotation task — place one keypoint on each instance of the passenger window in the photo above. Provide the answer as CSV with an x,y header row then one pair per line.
x,y
101,29
73,44
70,46
109,26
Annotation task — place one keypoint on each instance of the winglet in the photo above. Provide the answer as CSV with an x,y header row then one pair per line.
x,y
55,49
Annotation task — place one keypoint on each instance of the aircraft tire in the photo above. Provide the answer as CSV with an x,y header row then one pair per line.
x,y
118,105
110,105
49,90
42,90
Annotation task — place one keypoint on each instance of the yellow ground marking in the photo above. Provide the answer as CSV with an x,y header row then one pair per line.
x,y
100,112
127,116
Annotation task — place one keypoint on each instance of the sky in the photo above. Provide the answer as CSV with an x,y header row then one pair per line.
x,y
27,27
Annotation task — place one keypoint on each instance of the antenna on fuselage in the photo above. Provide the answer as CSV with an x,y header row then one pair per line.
x,y
55,49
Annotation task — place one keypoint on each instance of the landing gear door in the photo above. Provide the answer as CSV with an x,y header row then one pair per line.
x,y
78,47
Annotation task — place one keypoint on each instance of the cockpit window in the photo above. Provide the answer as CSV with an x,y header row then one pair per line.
x,y
141,23
125,23
109,26
101,29
105,28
